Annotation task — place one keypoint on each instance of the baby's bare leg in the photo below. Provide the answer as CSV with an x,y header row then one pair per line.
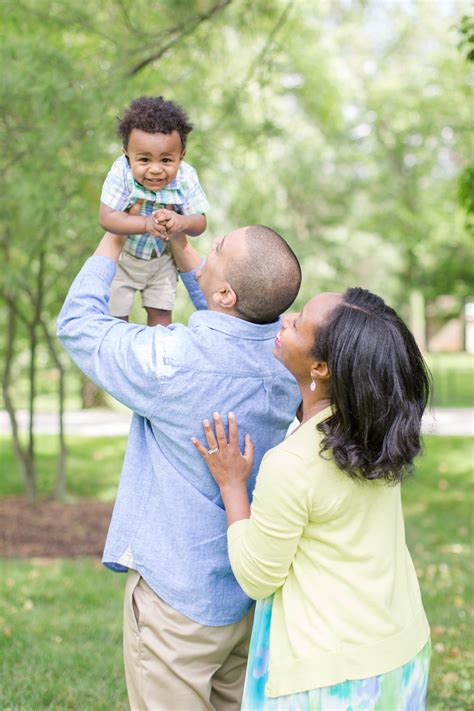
x,y
158,317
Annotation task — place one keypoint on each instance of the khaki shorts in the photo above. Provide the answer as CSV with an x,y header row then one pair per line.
x,y
156,279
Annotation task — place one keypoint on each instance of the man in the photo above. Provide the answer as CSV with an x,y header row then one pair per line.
x,y
186,620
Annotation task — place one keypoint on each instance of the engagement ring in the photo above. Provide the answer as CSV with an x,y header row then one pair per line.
x,y
213,451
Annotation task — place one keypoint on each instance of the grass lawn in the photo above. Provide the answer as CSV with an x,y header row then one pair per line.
x,y
60,641
60,621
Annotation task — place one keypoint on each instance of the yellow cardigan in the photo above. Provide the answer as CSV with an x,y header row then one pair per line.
x,y
347,602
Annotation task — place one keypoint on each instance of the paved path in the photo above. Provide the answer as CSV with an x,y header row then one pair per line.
x,y
109,423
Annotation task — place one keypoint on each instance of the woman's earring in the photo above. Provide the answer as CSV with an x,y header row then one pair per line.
x,y
313,385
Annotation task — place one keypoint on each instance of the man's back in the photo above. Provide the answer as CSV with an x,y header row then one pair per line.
x,y
168,522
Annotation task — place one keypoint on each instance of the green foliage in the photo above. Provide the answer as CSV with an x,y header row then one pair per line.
x,y
453,379
304,120
60,621
466,30
466,189
344,125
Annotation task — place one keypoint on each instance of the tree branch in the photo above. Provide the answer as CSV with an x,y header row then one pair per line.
x,y
257,62
179,31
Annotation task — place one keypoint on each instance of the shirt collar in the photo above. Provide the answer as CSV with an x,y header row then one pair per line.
x,y
233,326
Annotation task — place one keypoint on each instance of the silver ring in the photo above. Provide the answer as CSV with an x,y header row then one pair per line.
x,y
213,451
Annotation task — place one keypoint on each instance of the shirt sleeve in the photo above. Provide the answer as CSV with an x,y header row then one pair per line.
x,y
117,186
195,199
262,548
194,290
124,359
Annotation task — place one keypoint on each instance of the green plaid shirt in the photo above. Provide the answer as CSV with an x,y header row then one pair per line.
x,y
120,191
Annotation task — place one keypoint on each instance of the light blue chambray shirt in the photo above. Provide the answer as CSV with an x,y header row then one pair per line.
x,y
169,522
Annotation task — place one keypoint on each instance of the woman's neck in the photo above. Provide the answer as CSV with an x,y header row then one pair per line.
x,y
311,404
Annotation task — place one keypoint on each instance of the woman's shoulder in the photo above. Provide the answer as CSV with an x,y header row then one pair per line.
x,y
300,455
304,443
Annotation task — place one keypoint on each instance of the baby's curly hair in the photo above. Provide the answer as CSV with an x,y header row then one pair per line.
x,y
154,114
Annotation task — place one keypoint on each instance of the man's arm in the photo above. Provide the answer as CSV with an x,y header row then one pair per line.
x,y
186,257
188,260
110,246
124,359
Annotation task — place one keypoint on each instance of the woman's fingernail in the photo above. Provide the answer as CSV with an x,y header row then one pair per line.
x,y
231,415
215,415
206,423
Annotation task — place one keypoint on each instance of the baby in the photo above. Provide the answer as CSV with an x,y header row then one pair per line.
x,y
152,195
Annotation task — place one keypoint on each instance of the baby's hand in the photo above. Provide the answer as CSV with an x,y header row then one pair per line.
x,y
155,228
172,221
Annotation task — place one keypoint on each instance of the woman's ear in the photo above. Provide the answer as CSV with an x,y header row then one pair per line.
x,y
320,371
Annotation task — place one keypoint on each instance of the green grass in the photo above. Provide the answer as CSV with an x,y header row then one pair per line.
x,y
60,621
60,636
438,505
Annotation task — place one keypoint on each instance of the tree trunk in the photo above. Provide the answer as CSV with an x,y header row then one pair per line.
x,y
61,469
22,454
92,396
418,318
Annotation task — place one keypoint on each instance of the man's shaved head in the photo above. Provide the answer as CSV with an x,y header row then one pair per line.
x,y
267,278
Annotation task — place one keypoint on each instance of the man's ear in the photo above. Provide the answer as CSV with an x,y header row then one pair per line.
x,y
226,297
124,151
182,154
320,371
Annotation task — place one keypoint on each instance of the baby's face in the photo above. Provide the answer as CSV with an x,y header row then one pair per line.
x,y
154,157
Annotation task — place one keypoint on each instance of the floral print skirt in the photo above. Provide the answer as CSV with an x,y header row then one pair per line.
x,y
403,689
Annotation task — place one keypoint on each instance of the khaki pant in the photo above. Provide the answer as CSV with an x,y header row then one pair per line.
x,y
175,664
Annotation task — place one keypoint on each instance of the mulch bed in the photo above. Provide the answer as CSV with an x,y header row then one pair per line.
x,y
52,529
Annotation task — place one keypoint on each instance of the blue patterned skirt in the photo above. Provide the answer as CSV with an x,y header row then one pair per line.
x,y
403,689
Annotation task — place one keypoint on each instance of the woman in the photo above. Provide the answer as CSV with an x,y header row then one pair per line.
x,y
323,545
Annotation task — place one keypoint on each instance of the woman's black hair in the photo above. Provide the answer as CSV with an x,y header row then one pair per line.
x,y
379,388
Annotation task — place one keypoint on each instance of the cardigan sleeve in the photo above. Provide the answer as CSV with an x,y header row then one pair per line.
x,y
262,548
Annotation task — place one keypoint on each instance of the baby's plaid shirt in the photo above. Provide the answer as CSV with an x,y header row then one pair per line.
x,y
120,191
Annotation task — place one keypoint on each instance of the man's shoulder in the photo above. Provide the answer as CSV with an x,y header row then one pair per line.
x,y
213,342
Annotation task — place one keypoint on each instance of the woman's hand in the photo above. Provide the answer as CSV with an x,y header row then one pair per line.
x,y
228,465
